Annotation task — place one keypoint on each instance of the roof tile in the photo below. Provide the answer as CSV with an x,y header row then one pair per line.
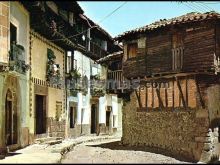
x,y
189,17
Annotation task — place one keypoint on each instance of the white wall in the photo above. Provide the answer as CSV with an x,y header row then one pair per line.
x,y
87,67
102,109
83,66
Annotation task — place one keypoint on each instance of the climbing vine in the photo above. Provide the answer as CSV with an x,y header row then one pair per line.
x,y
53,75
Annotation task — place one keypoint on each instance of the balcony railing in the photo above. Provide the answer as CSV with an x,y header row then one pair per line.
x,y
96,50
97,86
117,80
17,59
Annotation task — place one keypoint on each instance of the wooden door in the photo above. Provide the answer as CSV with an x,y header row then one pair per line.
x,y
40,114
10,120
93,118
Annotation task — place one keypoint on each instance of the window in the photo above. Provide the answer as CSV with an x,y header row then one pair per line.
x,y
71,63
177,51
13,34
132,50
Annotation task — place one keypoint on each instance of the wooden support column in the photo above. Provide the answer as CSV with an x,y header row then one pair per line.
x,y
166,97
199,93
138,98
146,96
152,95
181,92
173,94
187,91
159,98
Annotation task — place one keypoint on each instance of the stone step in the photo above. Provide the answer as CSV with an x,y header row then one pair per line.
x,y
48,140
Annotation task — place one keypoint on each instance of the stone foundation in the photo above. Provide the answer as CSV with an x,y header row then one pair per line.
x,y
76,132
56,128
181,133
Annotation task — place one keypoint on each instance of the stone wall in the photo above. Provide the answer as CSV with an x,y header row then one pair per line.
x,y
180,133
76,131
56,128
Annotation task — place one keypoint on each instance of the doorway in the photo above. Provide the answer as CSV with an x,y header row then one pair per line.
x,y
11,131
40,112
73,116
108,119
93,118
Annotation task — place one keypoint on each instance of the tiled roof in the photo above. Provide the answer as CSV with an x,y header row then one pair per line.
x,y
189,17
111,56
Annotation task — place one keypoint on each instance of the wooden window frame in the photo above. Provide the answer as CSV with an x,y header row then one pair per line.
x,y
129,46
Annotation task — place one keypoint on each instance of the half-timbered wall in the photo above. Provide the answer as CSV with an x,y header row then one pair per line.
x,y
167,126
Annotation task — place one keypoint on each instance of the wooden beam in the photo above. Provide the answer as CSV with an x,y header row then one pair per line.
x,y
159,98
166,97
181,92
146,96
173,100
152,93
187,91
200,95
138,98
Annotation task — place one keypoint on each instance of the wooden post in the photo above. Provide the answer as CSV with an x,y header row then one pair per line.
x,y
138,98
146,96
152,95
159,98
187,91
199,93
166,97
173,95
181,92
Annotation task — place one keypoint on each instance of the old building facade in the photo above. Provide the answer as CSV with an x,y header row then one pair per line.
x,y
39,58
14,75
86,96
174,106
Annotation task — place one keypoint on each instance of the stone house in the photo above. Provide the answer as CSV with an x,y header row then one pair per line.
x,y
14,75
174,106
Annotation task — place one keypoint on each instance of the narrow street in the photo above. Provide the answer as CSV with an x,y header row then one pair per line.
x,y
110,151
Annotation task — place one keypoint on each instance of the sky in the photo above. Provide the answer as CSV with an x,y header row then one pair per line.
x,y
134,14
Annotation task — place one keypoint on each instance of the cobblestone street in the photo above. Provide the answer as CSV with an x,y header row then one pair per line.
x,y
110,151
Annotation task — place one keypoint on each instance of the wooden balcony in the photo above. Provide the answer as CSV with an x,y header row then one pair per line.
x,y
17,59
116,81
96,50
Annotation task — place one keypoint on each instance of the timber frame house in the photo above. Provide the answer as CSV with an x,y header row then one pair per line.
x,y
177,63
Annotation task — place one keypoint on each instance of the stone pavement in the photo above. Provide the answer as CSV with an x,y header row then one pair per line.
x,y
44,153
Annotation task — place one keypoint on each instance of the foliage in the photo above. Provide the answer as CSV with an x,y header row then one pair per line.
x,y
16,59
73,92
95,77
95,91
53,70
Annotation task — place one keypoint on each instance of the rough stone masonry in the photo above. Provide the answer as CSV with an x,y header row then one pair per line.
x,y
181,133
